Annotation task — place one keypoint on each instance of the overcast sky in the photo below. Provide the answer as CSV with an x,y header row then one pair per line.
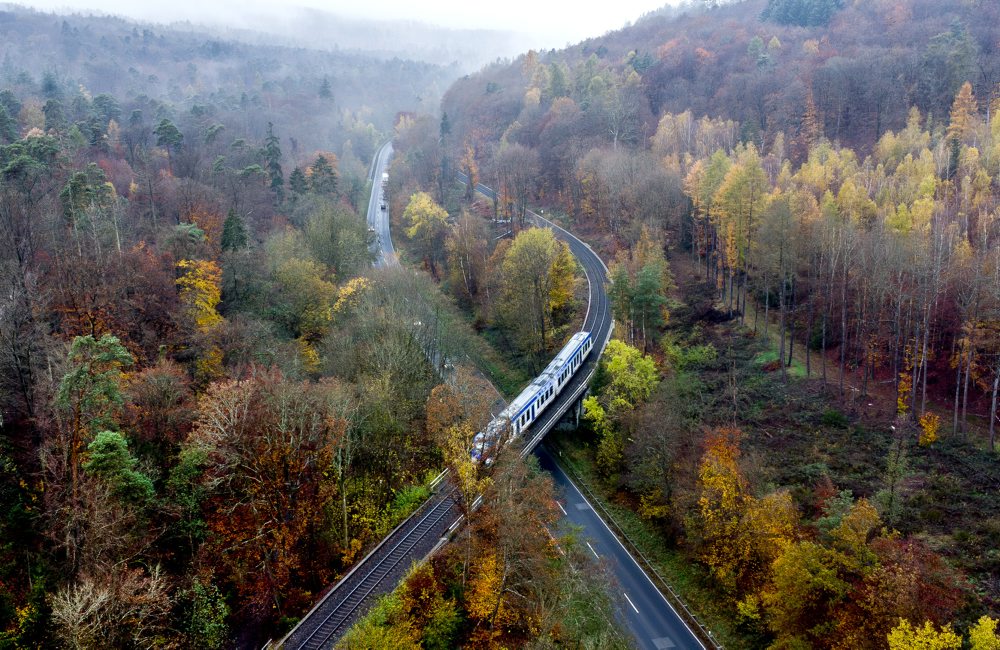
x,y
550,23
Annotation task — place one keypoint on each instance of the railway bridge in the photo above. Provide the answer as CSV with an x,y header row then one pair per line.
x,y
414,539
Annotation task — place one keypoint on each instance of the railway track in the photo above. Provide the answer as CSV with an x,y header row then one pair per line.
x,y
386,565
389,561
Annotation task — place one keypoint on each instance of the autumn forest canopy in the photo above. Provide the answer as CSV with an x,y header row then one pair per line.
x,y
212,405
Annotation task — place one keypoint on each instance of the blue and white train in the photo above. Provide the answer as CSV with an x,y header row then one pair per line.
x,y
528,406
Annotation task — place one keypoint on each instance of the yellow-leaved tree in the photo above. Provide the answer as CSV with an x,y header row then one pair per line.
x,y
426,224
926,637
723,504
983,635
200,292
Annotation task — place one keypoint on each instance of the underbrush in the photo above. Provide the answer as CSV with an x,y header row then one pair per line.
x,y
686,577
797,435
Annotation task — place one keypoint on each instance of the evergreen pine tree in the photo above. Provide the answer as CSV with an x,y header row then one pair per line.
x,y
297,182
234,233
272,156
323,178
8,126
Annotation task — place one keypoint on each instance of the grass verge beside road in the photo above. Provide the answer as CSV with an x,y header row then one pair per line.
x,y
688,580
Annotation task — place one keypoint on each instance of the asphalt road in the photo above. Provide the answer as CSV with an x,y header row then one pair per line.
x,y
651,619
647,614
378,219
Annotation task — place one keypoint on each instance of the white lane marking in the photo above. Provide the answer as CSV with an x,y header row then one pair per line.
x,y
634,562
630,602
565,514
593,551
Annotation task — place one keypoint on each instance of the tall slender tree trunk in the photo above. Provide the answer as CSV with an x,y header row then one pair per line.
x,y
843,328
822,348
958,382
781,344
809,334
965,392
791,321
923,362
993,409
756,312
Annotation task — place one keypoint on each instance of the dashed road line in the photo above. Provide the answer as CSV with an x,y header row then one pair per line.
x,y
630,602
594,552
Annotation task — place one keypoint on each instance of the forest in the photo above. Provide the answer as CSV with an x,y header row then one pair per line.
x,y
207,396
211,405
800,202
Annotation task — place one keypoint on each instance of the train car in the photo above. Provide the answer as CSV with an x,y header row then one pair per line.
x,y
542,391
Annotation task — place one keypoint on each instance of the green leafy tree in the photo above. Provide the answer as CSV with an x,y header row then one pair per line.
x,y
809,582
640,282
649,299
897,468
55,117
204,617
89,395
631,378
170,138
10,102
803,13
8,126
562,276
187,241
108,459
526,294
87,189
632,375
107,108
338,239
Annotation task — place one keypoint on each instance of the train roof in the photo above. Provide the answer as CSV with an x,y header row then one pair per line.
x,y
547,375
567,352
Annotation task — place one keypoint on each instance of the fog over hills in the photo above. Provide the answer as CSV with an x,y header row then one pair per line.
x,y
313,28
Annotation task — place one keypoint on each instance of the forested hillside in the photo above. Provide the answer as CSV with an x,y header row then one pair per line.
x,y
810,415
858,74
318,98
205,409
211,406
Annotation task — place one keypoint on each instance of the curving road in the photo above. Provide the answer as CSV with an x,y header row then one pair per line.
x,y
651,619
654,623
378,219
